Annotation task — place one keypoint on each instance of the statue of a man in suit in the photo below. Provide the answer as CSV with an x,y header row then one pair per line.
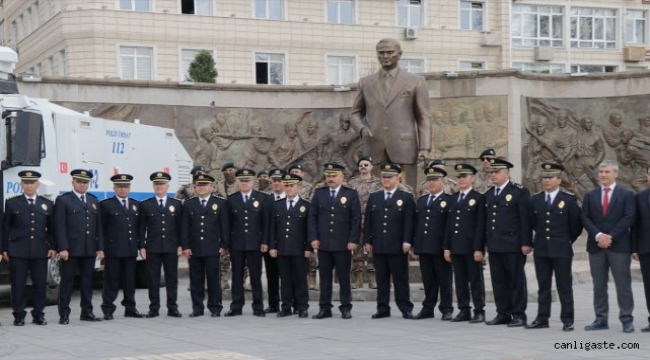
x,y
391,111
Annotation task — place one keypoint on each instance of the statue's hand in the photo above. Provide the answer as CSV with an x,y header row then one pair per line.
x,y
422,155
366,132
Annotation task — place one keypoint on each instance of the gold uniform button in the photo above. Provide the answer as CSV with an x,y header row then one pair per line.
x,y
457,217
492,227
456,232
458,211
384,224
548,221
201,237
548,238
547,229
548,213
287,236
425,232
32,237
384,231
202,216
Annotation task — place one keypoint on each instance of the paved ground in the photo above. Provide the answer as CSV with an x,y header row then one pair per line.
x,y
248,337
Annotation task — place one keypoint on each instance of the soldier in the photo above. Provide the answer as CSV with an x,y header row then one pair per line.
x,y
79,240
160,225
555,217
306,190
121,237
289,244
27,243
271,263
465,244
509,240
226,187
249,221
388,233
264,182
482,180
431,222
187,191
205,236
334,228
365,184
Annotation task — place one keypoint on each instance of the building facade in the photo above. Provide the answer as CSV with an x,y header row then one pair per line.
x,y
320,42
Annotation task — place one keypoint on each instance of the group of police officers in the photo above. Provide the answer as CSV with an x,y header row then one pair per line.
x,y
282,224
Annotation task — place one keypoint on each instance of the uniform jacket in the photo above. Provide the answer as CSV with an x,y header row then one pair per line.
x,y
28,231
289,234
620,218
641,228
160,229
430,225
77,228
335,223
398,121
250,221
389,224
121,234
508,219
466,224
556,228
205,231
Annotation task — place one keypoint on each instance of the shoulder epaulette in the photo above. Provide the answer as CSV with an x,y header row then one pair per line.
x,y
46,197
305,200
15,196
518,186
539,192
421,196
567,192
219,196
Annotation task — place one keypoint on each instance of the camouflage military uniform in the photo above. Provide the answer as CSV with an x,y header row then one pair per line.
x,y
224,190
185,192
482,182
364,188
267,190
306,191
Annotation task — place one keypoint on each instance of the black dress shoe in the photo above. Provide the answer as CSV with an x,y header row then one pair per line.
x,y
107,317
284,313
272,309
152,314
380,315
462,316
424,315
477,318
174,313
215,314
196,314
446,317
597,325
322,314
628,327
346,314
39,321
90,317
499,320
536,325
303,313
569,327
19,322
646,329
134,314
64,320
259,313
295,311
232,312
517,323
407,315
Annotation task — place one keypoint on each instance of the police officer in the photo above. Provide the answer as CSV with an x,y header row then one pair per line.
x,y
271,263
306,191
79,239
160,246
289,243
249,221
388,234
555,217
334,228
205,232
509,240
450,186
28,241
121,237
431,222
465,245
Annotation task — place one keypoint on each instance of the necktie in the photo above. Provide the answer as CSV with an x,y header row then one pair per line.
x,y
548,201
124,204
245,198
83,200
162,205
385,83
498,191
430,201
461,197
290,204
606,201
388,196
332,195
31,203
277,197
203,203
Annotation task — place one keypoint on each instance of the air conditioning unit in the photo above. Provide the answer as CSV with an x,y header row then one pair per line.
x,y
411,33
634,53
491,38
544,53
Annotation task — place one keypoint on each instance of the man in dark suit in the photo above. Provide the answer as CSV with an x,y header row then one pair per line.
x,y
289,243
27,243
641,241
431,223
205,235
249,222
465,245
509,240
271,263
388,234
160,243
608,213
391,111
334,227
555,217
79,239
121,238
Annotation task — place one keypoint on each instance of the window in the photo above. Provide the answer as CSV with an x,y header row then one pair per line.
x,y
135,5
593,28
269,68
64,63
540,68
268,9
636,68
340,11
409,13
471,15
196,7
635,27
470,65
187,56
592,68
341,70
534,25
415,66
137,62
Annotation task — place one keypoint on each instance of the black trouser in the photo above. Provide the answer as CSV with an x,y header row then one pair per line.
x,y
509,284
293,275
239,259
544,269
169,262
86,267
200,267
37,268
436,277
327,262
396,266
119,273
644,259
272,279
468,274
